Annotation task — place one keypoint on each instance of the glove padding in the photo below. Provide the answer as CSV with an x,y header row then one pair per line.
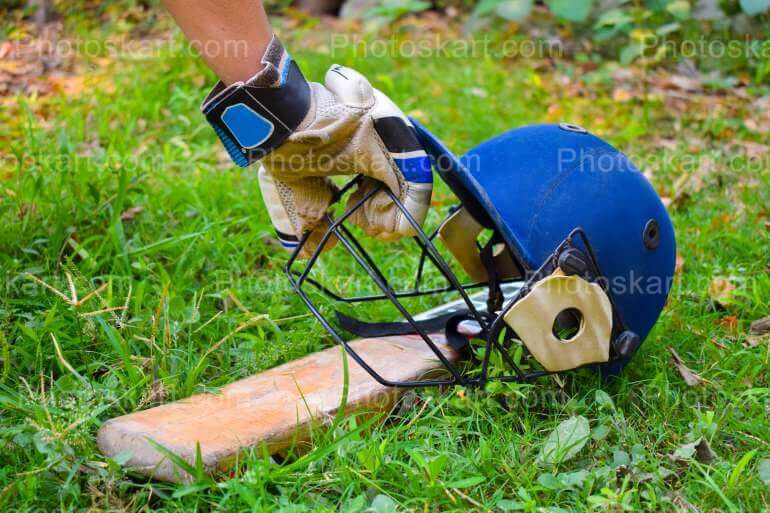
x,y
350,129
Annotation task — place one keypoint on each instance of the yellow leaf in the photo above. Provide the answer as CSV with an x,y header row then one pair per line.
x,y
721,290
621,95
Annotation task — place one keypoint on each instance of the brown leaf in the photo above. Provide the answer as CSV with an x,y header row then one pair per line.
x,y
700,451
730,322
67,85
704,453
679,266
719,344
722,221
760,326
756,126
761,104
623,75
678,500
15,67
144,362
690,376
5,49
157,393
685,83
755,150
27,209
130,213
666,143
755,340
692,182
721,290
621,95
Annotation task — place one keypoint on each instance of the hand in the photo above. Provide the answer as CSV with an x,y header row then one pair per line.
x,y
350,129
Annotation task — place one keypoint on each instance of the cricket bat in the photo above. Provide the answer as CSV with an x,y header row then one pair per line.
x,y
272,410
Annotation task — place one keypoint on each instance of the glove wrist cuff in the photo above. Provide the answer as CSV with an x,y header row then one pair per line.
x,y
253,118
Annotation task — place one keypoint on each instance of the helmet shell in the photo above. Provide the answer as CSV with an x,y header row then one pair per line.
x,y
538,183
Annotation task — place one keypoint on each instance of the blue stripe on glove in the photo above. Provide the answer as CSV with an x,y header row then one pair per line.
x,y
415,169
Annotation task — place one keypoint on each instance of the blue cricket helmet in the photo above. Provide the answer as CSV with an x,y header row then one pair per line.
x,y
572,247
540,182
536,184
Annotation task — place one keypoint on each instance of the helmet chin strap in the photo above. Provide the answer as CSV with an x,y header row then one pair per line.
x,y
385,329
457,338
495,298
453,323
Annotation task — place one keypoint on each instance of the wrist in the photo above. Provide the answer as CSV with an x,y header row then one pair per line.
x,y
254,117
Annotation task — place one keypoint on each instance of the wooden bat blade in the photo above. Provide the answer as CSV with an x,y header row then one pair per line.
x,y
275,407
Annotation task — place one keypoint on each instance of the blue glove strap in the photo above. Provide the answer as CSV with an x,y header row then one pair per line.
x,y
251,121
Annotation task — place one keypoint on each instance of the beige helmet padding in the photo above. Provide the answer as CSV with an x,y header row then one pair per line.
x,y
533,316
458,233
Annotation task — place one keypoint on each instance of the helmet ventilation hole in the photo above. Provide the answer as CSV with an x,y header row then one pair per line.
x,y
651,235
572,127
567,324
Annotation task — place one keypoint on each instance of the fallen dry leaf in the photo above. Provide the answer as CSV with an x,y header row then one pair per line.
x,y
27,209
68,85
721,290
690,376
704,453
722,221
756,126
760,326
623,74
685,83
730,322
761,104
143,362
666,143
719,344
679,266
756,340
678,500
621,95
700,451
5,49
690,183
157,393
130,213
755,150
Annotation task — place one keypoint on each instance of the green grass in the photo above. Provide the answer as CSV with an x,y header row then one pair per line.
x,y
193,269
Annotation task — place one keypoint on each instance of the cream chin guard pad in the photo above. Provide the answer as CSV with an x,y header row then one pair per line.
x,y
533,318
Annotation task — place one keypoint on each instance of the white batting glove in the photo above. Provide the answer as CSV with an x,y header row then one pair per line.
x,y
349,128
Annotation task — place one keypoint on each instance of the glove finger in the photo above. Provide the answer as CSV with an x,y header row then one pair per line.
x,y
349,86
380,217
296,207
406,162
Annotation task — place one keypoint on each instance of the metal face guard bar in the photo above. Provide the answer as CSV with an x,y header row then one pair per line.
x,y
491,324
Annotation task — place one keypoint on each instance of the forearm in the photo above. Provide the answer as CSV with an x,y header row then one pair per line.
x,y
231,35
